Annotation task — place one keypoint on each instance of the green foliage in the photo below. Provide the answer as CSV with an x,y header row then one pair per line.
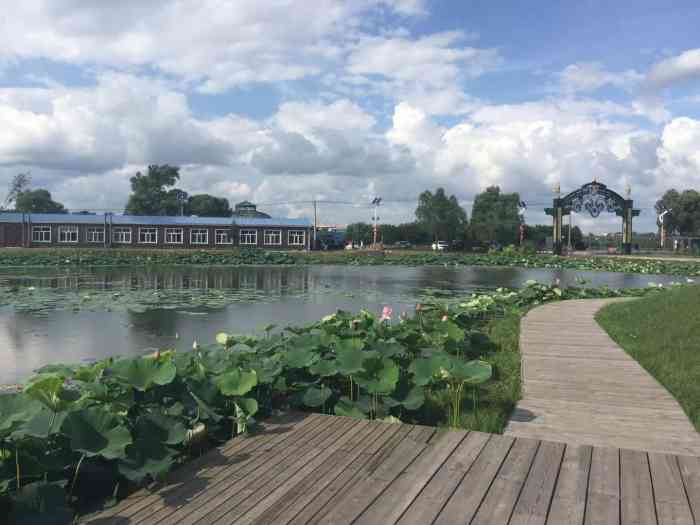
x,y
148,193
684,217
495,216
204,205
37,201
441,215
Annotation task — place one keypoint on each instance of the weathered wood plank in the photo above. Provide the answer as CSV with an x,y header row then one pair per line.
x,y
690,472
246,491
672,505
603,506
569,502
637,504
356,473
533,504
392,503
500,501
195,494
426,506
465,500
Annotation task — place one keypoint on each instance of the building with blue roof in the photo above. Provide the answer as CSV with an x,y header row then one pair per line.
x,y
113,230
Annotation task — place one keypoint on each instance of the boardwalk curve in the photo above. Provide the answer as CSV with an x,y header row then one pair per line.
x,y
580,387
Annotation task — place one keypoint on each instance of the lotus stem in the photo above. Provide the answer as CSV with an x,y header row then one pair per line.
x,y
75,477
19,483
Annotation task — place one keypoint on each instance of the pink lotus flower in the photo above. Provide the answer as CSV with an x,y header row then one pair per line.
x,y
419,307
444,318
386,314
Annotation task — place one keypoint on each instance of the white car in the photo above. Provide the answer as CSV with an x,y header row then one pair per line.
x,y
440,246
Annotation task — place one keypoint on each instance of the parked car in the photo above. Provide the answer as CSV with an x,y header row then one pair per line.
x,y
441,246
403,244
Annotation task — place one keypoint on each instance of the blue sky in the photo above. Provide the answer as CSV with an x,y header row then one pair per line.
x,y
282,102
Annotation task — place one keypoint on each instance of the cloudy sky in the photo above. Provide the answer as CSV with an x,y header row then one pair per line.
x,y
283,101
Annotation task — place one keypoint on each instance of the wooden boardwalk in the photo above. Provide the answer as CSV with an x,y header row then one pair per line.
x,y
336,470
579,387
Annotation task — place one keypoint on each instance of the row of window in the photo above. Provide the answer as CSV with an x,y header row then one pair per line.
x,y
122,235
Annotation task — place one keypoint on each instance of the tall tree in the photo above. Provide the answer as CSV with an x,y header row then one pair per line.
x,y
684,217
149,195
495,216
38,201
359,232
441,215
19,183
204,205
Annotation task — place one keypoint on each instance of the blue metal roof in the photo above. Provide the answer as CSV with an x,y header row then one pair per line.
x,y
155,220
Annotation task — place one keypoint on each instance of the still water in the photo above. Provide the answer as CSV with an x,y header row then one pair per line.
x,y
256,296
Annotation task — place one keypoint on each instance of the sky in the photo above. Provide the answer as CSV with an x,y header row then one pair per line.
x,y
282,102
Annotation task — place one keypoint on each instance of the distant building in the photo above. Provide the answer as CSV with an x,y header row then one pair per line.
x,y
122,231
248,209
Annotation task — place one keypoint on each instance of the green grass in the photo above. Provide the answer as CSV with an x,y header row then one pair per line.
x,y
662,332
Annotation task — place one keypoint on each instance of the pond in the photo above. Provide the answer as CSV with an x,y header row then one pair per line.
x,y
77,315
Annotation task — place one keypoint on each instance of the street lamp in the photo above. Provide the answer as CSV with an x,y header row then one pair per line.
x,y
376,202
663,228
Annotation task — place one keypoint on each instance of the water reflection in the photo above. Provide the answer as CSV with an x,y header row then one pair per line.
x,y
294,295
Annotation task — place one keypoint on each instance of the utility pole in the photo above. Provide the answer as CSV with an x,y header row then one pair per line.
x,y
377,201
315,224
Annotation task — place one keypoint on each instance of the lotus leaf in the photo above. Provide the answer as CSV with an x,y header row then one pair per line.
x,y
204,410
424,369
324,368
47,389
161,428
316,397
414,399
350,359
454,332
389,348
143,373
345,407
300,357
247,406
237,382
42,503
97,432
16,409
379,376
146,458
41,425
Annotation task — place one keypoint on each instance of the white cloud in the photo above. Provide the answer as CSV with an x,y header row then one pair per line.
x,y
590,76
680,68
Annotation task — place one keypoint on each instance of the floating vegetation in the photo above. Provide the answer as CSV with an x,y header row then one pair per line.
x,y
65,257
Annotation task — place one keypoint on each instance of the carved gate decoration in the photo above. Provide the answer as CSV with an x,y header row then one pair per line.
x,y
593,198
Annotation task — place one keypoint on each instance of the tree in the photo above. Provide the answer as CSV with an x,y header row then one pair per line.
x,y
148,193
684,217
495,216
441,215
37,201
19,183
359,232
204,205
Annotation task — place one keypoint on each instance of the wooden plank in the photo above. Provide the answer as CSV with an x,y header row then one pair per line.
x,y
355,473
270,494
465,500
603,505
185,499
233,493
363,494
569,502
637,503
426,506
177,485
690,472
672,505
421,433
501,498
302,494
290,422
392,503
533,504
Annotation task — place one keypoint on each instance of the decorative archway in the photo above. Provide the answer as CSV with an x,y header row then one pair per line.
x,y
593,198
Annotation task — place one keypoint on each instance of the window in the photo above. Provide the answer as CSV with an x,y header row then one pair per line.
x,y
273,237
199,236
223,237
248,237
67,234
296,237
41,233
173,235
121,235
148,235
95,235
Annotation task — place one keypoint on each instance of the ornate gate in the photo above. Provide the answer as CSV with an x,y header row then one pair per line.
x,y
593,198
